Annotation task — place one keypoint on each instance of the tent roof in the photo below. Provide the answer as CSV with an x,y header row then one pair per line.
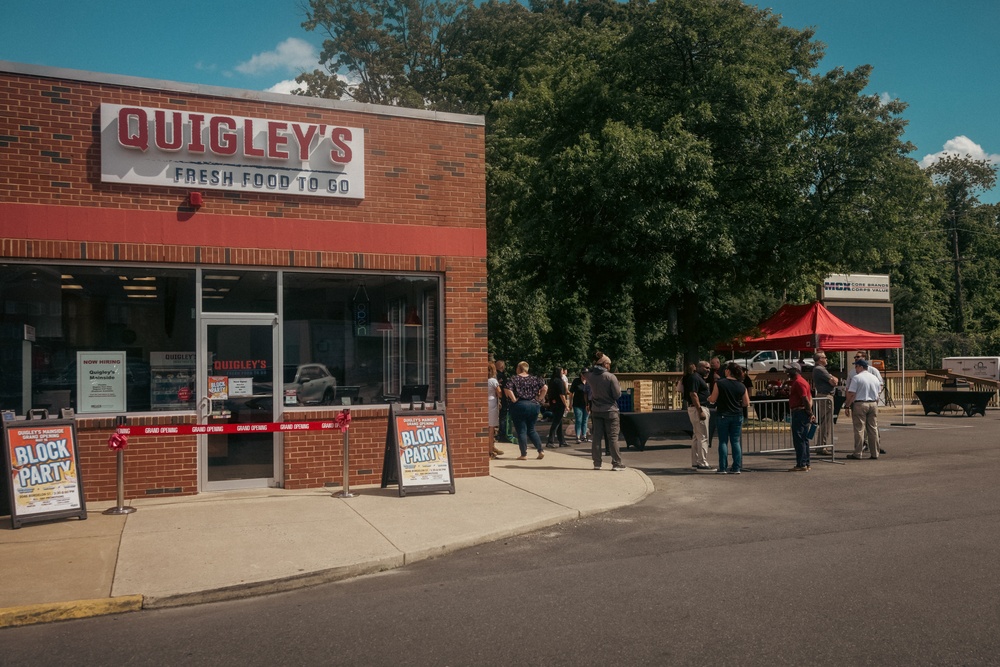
x,y
810,327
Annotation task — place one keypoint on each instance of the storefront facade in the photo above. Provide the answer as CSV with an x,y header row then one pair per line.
x,y
180,254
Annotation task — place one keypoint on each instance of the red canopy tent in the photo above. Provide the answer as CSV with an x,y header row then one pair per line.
x,y
812,327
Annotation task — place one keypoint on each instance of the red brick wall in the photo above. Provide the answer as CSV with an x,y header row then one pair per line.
x,y
424,210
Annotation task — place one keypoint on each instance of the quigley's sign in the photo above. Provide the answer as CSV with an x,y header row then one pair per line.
x,y
188,149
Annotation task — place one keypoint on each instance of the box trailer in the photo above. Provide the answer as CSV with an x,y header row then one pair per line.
x,y
987,368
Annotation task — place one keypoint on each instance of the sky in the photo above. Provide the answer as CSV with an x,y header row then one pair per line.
x,y
934,55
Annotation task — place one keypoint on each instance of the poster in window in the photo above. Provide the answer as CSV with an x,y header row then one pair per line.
x,y
218,387
240,387
100,382
42,468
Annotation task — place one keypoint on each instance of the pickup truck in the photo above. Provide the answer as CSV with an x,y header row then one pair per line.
x,y
769,360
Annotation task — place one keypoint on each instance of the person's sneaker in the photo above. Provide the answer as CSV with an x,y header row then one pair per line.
x,y
705,467
597,467
618,466
734,471
720,472
799,469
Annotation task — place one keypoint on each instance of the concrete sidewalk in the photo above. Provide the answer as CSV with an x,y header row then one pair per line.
x,y
235,544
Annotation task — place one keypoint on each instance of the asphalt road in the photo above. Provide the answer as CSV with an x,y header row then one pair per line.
x,y
883,562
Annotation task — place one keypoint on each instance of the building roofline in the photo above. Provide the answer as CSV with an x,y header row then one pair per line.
x,y
235,93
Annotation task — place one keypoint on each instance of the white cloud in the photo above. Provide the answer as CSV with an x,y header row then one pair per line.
x,y
292,55
286,87
885,98
960,145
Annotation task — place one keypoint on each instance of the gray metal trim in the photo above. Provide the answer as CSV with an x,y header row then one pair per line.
x,y
236,93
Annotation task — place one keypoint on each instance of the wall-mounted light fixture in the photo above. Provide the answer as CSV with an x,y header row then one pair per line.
x,y
194,199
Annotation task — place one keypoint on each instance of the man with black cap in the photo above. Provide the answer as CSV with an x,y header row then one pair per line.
x,y
800,404
861,354
862,404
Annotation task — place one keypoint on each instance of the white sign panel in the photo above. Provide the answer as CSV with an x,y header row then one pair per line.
x,y
172,359
100,382
241,386
987,368
856,287
188,149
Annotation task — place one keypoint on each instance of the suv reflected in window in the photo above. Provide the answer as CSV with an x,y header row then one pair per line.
x,y
309,384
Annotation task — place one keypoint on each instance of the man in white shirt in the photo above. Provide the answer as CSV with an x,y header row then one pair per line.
x,y
861,354
862,404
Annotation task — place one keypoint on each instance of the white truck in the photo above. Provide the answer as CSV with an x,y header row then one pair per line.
x,y
987,368
770,360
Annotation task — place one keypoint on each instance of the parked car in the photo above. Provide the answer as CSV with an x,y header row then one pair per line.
x,y
769,360
312,383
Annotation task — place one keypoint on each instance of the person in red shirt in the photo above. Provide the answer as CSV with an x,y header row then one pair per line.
x,y
800,404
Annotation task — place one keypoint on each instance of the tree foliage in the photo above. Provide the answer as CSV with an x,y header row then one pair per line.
x,y
662,175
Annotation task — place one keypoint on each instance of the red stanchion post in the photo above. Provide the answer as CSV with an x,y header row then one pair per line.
x,y
117,443
343,422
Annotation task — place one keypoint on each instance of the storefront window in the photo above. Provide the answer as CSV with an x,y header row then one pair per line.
x,y
360,339
128,336
131,330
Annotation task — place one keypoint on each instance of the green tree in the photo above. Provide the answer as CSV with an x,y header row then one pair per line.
x,y
383,51
660,175
961,179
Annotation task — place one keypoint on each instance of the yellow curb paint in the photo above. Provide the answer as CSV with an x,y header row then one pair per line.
x,y
63,611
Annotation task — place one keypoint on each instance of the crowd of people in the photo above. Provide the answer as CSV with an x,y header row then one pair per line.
x,y
727,387
519,400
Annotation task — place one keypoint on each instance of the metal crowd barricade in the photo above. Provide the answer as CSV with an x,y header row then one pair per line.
x,y
766,430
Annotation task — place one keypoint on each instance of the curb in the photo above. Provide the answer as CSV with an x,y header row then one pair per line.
x,y
12,617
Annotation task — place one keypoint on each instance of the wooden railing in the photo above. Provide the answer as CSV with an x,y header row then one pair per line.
x,y
666,396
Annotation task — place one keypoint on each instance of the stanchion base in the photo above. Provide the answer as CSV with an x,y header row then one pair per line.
x,y
119,510
343,494
902,424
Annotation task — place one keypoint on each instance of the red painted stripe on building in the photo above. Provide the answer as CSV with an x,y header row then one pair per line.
x,y
71,223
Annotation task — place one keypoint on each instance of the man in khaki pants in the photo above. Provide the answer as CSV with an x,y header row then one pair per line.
x,y
824,384
695,390
862,403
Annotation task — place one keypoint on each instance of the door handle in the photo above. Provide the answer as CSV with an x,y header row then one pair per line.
x,y
204,407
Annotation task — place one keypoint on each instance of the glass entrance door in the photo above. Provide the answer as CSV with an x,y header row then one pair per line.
x,y
238,387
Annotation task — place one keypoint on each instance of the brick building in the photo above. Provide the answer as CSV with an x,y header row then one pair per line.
x,y
237,256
